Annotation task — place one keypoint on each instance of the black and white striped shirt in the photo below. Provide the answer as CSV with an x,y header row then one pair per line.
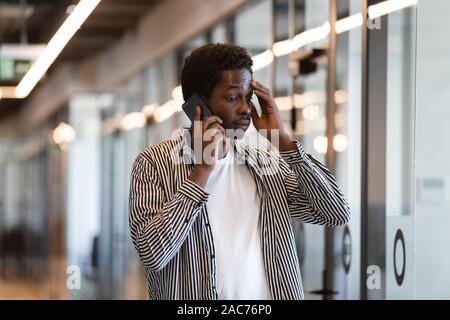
x,y
170,227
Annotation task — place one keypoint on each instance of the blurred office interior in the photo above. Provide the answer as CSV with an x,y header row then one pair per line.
x,y
363,84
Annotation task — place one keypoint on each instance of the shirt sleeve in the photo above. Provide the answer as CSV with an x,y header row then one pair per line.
x,y
312,192
159,225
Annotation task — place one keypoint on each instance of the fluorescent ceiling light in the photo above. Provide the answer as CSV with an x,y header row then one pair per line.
x,y
262,60
166,111
282,48
133,120
55,46
302,39
386,7
149,109
311,35
349,23
308,98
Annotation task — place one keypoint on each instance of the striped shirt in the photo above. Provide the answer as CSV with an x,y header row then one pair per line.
x,y
170,227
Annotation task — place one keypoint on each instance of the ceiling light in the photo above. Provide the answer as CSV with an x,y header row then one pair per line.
x,y
340,142
311,35
63,134
67,30
311,112
166,111
133,120
262,60
320,144
282,48
386,7
149,109
349,23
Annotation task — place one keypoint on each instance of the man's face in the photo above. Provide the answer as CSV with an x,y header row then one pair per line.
x,y
230,99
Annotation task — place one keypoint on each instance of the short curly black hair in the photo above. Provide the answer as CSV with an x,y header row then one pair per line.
x,y
203,67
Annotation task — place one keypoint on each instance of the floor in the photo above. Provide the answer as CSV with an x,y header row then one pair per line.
x,y
17,291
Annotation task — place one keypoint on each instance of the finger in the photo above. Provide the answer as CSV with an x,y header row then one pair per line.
x,y
217,133
253,111
263,90
197,125
259,86
219,138
213,133
265,101
213,119
218,129
262,95
210,120
197,114
216,125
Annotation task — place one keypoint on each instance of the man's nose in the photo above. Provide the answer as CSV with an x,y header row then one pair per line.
x,y
245,108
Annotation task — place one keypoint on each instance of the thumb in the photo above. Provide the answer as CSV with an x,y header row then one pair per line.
x,y
253,112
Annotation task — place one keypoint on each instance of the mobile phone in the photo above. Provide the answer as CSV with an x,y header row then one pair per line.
x,y
194,101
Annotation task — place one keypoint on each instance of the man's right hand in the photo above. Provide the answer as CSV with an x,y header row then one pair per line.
x,y
207,140
202,146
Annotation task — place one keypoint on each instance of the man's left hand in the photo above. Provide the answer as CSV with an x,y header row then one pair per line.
x,y
270,117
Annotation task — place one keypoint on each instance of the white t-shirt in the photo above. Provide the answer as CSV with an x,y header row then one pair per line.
x,y
233,210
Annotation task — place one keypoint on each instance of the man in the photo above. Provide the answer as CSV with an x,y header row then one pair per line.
x,y
214,228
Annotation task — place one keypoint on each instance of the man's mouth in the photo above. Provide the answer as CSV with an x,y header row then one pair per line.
x,y
243,124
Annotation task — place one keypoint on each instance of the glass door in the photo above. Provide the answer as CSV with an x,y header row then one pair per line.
x,y
347,151
389,94
400,108
307,119
432,150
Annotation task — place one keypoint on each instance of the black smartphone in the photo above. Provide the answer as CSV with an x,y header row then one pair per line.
x,y
189,107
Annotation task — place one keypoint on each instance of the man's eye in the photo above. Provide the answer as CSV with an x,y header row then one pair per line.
x,y
232,99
